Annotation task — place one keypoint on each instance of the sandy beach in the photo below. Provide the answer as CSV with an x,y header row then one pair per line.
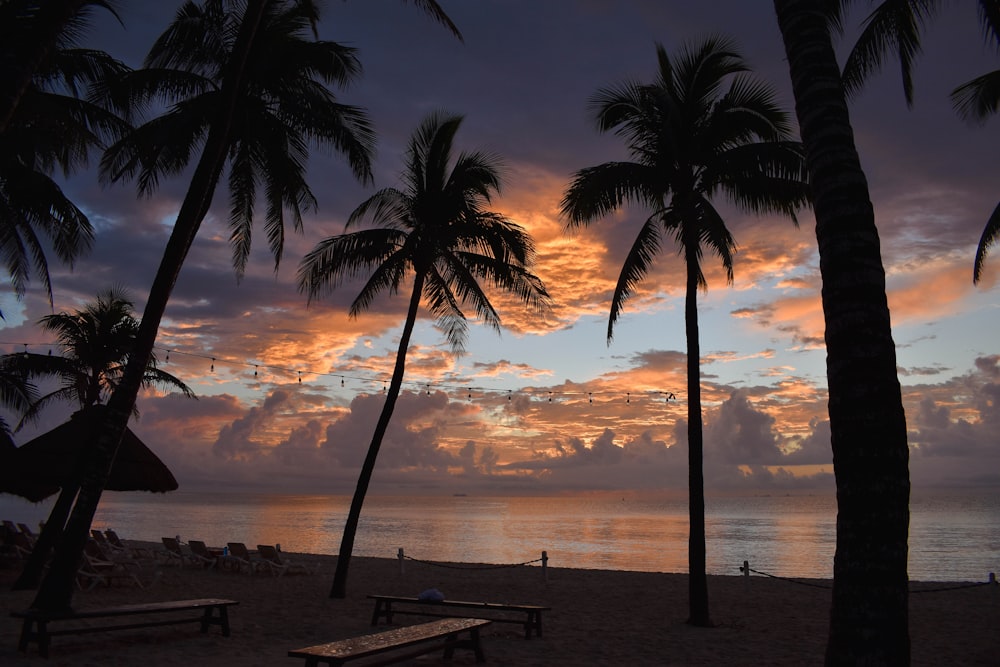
x,y
598,617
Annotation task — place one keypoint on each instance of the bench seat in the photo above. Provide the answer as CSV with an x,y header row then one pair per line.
x,y
36,622
494,611
420,639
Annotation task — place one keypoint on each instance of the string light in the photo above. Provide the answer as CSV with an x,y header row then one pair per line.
x,y
458,389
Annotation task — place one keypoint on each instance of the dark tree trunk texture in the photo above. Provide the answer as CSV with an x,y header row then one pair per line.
x,y
56,591
47,541
869,614
697,576
339,588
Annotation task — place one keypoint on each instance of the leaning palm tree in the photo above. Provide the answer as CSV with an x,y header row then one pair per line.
x,y
437,229
96,343
248,80
52,127
704,127
898,25
869,607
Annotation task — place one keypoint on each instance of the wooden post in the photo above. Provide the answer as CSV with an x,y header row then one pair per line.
x,y
399,555
746,568
545,566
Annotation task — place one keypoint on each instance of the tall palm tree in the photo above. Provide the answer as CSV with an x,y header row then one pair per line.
x,y
96,344
437,229
691,136
898,25
245,61
52,127
869,612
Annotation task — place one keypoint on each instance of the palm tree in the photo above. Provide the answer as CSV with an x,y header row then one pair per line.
x,y
436,228
691,137
244,63
96,344
898,24
50,128
869,612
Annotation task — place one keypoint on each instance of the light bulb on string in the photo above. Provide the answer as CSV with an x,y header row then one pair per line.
x,y
255,370
167,359
628,397
300,377
341,381
591,396
211,369
550,397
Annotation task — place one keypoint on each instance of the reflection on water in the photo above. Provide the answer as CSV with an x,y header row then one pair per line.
x,y
951,538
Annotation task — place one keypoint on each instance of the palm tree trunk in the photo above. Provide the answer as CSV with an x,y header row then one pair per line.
x,y
47,540
57,588
697,576
869,614
339,588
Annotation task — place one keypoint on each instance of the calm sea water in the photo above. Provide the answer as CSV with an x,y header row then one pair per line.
x,y
952,537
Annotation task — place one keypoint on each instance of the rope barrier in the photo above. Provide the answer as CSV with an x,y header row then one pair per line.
x,y
746,570
466,566
544,560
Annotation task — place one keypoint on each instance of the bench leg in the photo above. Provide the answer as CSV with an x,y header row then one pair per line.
x,y
451,641
40,634
208,618
382,608
534,621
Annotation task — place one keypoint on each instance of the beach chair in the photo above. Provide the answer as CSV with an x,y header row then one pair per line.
x,y
201,554
239,556
139,553
272,560
104,552
27,532
94,571
172,553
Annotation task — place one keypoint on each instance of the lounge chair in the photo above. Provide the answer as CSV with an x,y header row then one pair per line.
x,y
94,571
139,553
240,556
271,558
172,554
201,554
27,532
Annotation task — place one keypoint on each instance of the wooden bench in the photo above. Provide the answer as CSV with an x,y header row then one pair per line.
x,y
420,639
36,622
418,607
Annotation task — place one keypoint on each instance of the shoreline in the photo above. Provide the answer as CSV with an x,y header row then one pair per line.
x,y
597,617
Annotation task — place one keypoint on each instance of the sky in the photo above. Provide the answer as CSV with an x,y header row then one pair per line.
x,y
288,392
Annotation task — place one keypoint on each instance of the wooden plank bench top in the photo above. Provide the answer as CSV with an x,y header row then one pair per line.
x,y
35,627
532,619
420,638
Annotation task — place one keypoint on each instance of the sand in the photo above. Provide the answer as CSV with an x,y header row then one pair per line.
x,y
598,617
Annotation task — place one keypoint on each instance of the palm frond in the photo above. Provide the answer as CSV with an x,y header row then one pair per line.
x,y
989,237
978,99
894,26
637,263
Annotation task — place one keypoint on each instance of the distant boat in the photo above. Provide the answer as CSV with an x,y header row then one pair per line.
x,y
460,495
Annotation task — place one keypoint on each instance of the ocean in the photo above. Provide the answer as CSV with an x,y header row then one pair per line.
x,y
953,537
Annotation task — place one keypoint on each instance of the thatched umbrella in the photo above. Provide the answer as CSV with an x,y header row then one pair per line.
x,y
41,466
